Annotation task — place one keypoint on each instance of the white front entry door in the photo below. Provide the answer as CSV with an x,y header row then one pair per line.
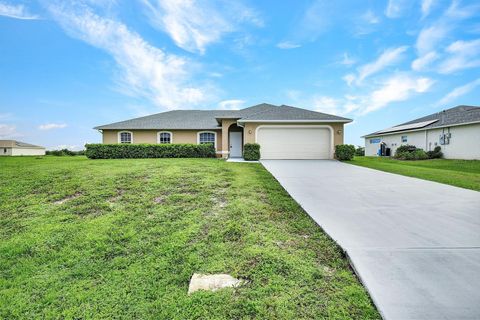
x,y
295,142
235,144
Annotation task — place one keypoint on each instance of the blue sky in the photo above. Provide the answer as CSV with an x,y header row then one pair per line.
x,y
67,66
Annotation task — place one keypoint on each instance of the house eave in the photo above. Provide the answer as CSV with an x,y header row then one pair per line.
x,y
295,121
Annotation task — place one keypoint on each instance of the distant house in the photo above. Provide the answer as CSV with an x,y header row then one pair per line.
x,y
455,130
283,132
17,148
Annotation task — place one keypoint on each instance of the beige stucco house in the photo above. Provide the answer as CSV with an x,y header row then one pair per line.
x,y
283,132
18,148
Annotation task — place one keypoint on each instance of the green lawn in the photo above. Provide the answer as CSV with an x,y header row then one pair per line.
x,y
131,233
460,173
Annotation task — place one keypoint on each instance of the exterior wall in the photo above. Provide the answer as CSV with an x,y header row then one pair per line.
x,y
5,151
190,136
150,136
393,141
251,128
27,152
464,141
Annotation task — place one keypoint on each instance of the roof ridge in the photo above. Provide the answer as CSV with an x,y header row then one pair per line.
x,y
327,114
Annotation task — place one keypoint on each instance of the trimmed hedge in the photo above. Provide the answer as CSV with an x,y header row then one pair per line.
x,y
251,151
344,152
120,151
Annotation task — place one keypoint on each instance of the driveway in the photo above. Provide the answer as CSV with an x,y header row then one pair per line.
x,y
415,244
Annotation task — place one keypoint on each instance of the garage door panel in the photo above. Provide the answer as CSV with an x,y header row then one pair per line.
x,y
294,143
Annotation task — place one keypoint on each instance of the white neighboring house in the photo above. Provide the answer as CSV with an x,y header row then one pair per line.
x,y
455,130
17,148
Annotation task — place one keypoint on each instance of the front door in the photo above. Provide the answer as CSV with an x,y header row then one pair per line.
x,y
235,144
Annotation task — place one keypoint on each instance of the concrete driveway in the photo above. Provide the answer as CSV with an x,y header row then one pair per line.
x,y
415,244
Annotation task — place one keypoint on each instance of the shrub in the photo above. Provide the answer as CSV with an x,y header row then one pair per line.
x,y
436,153
409,152
360,151
344,152
119,151
64,152
251,151
405,148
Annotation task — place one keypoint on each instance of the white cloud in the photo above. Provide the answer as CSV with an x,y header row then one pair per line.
x,y
396,88
458,92
462,55
16,11
370,17
287,45
396,8
430,37
347,60
426,7
349,78
233,104
387,58
8,131
145,71
424,61
457,12
5,116
50,126
326,104
195,24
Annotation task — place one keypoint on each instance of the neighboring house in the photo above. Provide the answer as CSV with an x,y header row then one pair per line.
x,y
456,131
283,132
17,148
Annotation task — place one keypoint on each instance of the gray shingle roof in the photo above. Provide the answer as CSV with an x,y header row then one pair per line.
x,y
207,119
453,116
17,144
288,113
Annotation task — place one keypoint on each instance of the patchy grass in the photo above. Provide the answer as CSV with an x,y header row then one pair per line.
x,y
460,173
129,234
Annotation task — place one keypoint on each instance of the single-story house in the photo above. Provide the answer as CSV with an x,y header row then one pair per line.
x,y
283,132
17,148
455,130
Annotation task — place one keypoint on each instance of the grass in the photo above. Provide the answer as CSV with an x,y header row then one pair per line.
x,y
459,173
120,239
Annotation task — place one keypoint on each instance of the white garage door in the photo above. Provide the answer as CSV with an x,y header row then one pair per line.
x,y
294,142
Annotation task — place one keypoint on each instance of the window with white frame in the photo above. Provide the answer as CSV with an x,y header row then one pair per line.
x,y
164,137
125,137
206,137
404,139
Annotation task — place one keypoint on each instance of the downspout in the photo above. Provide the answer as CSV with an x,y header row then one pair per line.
x,y
426,140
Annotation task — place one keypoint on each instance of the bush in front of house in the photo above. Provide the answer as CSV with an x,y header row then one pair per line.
x,y
121,151
436,153
409,152
360,151
344,152
251,151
